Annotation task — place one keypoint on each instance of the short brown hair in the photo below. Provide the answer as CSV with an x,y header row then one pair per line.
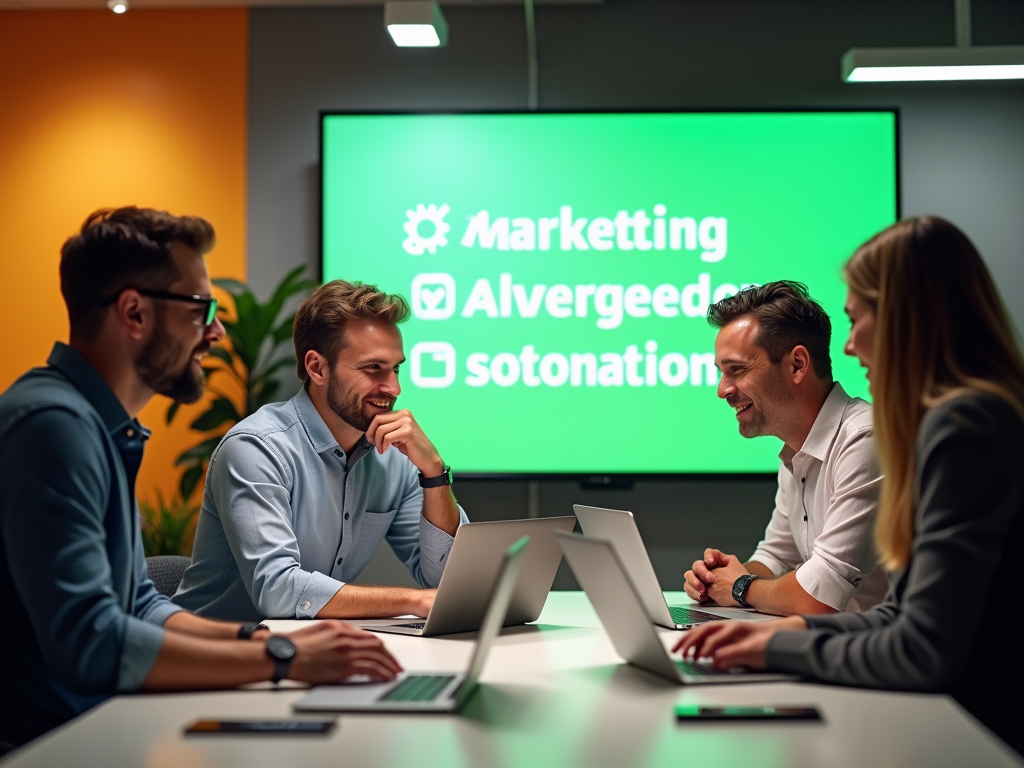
x,y
119,248
787,316
321,320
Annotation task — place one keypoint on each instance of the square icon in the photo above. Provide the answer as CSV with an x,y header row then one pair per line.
x,y
432,364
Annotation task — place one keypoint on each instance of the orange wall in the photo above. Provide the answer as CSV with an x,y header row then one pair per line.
x,y
99,110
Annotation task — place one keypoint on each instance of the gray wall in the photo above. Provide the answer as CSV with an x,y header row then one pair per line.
x,y
962,149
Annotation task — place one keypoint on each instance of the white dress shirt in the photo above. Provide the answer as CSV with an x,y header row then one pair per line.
x,y
823,522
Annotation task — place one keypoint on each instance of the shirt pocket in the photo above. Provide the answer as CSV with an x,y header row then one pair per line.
x,y
375,524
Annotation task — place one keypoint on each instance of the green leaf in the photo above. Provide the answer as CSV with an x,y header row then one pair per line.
x,y
267,394
229,284
220,410
201,452
284,331
190,479
172,409
284,362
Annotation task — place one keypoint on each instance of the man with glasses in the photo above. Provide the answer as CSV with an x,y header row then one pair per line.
x,y
83,620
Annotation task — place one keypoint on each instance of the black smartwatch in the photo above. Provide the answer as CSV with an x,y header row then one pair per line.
x,y
740,587
445,478
250,628
282,651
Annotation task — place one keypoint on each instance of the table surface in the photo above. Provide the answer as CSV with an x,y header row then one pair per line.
x,y
552,694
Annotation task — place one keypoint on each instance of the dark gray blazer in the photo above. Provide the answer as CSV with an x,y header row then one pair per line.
x,y
953,621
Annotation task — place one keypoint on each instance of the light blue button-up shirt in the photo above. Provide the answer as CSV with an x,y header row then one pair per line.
x,y
288,518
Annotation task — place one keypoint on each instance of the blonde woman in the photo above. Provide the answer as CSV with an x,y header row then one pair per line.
x,y
947,379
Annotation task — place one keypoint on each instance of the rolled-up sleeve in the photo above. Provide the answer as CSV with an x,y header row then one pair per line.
x,y
250,484
417,542
150,604
54,539
778,551
843,554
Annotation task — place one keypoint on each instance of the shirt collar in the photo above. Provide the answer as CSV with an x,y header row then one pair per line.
x,y
825,427
89,382
318,432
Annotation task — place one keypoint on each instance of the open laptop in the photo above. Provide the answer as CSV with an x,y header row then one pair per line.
x,y
473,564
618,527
429,691
615,598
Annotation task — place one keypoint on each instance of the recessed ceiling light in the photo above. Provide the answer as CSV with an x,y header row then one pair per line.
x,y
416,24
117,6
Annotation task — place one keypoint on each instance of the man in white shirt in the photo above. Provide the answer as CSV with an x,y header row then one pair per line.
x,y
817,555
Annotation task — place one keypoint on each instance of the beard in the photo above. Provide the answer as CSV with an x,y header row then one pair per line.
x,y
159,369
770,415
347,405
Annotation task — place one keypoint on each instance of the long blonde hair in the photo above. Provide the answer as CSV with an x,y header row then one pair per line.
x,y
941,329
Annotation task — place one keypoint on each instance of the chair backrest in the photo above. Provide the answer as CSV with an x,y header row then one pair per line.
x,y
166,572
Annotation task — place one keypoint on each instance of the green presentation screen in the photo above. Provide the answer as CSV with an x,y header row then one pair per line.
x,y
560,266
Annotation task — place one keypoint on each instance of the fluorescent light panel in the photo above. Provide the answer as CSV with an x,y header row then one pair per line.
x,y
876,65
414,35
416,24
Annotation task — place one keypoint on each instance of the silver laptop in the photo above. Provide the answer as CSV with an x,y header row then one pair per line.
x,y
618,527
429,691
612,593
473,564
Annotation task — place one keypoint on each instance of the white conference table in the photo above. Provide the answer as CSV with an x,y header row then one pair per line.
x,y
553,694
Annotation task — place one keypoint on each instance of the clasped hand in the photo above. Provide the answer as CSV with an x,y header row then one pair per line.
x,y
712,578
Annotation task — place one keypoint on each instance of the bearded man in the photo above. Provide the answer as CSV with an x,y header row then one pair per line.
x,y
817,556
84,621
300,495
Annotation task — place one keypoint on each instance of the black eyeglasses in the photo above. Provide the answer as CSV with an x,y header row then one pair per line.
x,y
208,301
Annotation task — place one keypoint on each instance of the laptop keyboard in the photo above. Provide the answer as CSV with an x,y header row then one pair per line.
x,y
681,615
705,669
418,688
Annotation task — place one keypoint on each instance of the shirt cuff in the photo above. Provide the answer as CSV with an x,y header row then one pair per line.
x,y
318,592
823,584
141,646
162,612
775,566
435,544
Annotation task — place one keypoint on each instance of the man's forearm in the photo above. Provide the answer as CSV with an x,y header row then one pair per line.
x,y
759,569
440,509
188,662
354,601
189,624
782,596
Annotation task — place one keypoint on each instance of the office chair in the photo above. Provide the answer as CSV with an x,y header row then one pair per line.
x,y
166,572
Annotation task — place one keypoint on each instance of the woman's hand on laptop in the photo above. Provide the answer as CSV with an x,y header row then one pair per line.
x,y
735,643
331,650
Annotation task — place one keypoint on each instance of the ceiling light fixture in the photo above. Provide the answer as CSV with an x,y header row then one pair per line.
x,y
117,6
962,62
415,24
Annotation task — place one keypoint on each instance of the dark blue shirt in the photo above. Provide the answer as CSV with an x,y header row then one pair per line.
x,y
82,620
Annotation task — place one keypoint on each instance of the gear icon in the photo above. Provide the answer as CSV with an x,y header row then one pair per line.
x,y
415,243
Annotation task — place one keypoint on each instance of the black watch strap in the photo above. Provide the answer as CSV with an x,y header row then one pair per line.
x,y
250,628
282,652
740,587
445,478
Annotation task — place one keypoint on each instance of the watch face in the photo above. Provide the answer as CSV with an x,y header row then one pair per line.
x,y
281,648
